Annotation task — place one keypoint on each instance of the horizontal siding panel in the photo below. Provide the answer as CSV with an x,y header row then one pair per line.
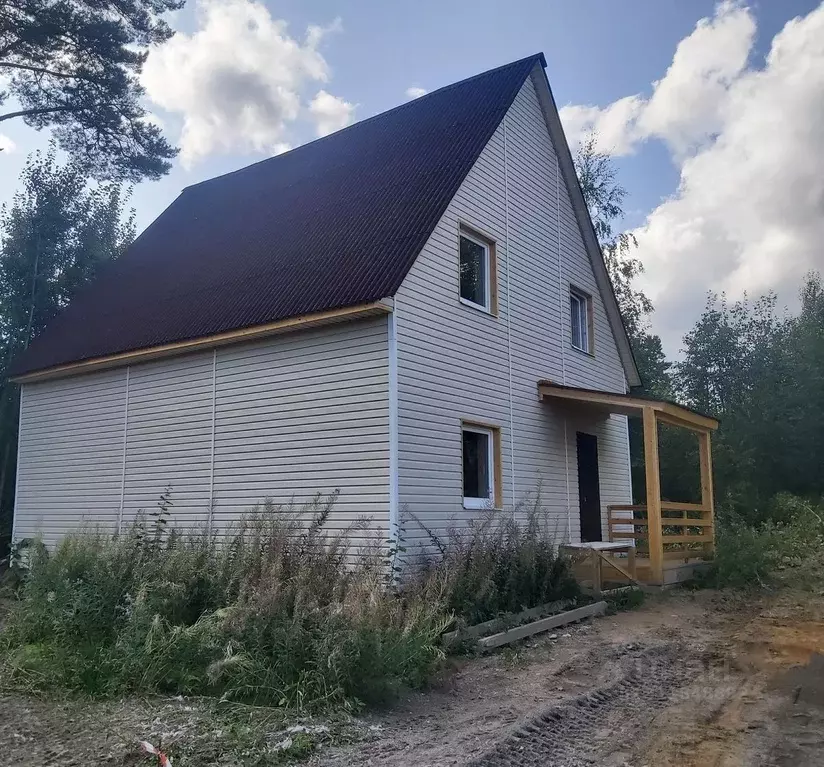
x,y
294,415
454,362
70,464
170,411
272,402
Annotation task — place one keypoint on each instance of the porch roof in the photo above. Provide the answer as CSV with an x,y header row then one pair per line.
x,y
628,404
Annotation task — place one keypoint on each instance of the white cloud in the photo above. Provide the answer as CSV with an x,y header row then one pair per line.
x,y
614,125
6,144
748,213
330,113
685,103
238,80
415,92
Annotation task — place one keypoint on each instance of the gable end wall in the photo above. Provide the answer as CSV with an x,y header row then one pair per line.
x,y
456,363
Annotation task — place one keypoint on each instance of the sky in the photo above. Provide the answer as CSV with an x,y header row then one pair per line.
x,y
713,112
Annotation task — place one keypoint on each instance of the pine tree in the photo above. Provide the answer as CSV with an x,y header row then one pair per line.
x,y
73,66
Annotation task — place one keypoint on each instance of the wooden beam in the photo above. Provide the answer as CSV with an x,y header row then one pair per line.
x,y
626,404
676,506
681,522
653,482
685,419
705,463
555,621
208,342
705,536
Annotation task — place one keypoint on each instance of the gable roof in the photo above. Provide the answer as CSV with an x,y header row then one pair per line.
x,y
332,224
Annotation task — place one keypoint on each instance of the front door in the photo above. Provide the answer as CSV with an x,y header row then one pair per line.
x,y
589,492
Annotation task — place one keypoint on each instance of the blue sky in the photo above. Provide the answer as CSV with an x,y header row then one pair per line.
x,y
598,52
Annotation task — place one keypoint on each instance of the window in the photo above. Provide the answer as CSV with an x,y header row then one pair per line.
x,y
477,270
481,464
580,308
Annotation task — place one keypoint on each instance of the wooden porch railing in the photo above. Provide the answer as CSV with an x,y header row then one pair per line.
x,y
687,530
662,530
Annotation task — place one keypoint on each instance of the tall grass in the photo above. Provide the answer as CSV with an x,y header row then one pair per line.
x,y
282,612
278,611
500,562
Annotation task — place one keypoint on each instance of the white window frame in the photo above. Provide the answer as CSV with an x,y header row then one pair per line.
x,y
487,305
585,304
480,503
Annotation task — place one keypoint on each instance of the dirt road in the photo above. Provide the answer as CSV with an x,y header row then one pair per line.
x,y
689,680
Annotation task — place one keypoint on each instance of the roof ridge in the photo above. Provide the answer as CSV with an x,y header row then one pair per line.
x,y
536,57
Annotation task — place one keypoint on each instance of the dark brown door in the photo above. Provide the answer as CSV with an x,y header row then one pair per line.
x,y
589,492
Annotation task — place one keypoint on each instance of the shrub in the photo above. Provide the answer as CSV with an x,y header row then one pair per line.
x,y
502,562
279,612
788,547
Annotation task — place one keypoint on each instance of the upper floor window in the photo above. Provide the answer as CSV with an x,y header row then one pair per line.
x,y
580,307
477,270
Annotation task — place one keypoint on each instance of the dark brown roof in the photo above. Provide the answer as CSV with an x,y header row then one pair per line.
x,y
334,223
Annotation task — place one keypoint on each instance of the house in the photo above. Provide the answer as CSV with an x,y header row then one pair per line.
x,y
400,311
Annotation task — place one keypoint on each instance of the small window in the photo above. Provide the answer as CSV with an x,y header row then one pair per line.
x,y
481,462
580,307
477,271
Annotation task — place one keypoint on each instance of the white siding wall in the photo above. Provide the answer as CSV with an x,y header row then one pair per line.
x,y
294,415
454,361
70,462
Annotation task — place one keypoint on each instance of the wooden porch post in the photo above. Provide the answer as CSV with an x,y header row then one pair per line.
x,y
653,477
707,499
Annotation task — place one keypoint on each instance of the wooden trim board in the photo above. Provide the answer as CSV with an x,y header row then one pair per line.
x,y
497,623
545,624
626,404
208,342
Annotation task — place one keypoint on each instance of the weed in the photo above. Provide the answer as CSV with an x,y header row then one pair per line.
x,y
770,553
501,562
279,612
624,599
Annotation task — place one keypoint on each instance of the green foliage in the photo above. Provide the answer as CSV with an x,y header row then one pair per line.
x,y
762,374
279,611
625,599
604,196
74,66
270,615
501,562
55,236
786,548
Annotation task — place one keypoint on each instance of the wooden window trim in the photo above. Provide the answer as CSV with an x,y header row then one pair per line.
x,y
582,295
465,230
497,462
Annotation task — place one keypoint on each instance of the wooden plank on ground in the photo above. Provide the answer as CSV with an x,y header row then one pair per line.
x,y
554,621
479,629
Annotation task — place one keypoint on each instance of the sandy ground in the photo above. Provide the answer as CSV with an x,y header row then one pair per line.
x,y
689,680
717,682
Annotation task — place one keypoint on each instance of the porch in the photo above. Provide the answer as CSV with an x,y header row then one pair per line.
x,y
671,539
